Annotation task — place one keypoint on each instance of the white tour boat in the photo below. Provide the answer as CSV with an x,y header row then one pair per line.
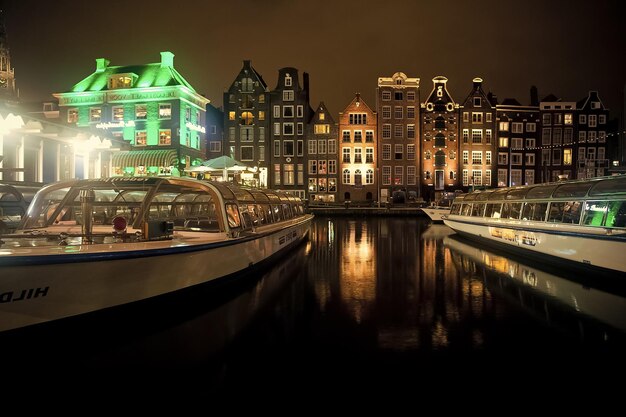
x,y
441,207
582,222
142,237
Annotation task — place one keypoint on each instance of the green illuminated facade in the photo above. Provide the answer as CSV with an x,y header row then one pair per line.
x,y
151,107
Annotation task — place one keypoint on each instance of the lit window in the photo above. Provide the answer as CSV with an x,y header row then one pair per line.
x,y
165,137
141,111
165,111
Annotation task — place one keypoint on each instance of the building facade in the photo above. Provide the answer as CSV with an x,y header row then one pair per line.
x,y
214,132
247,120
557,139
321,153
591,149
291,112
357,157
151,107
439,127
397,106
477,138
517,153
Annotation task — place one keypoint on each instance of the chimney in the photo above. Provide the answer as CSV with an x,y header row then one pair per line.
x,y
534,96
305,82
167,59
102,64
477,83
246,62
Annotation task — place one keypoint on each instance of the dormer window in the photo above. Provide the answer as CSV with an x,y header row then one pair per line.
x,y
121,81
288,80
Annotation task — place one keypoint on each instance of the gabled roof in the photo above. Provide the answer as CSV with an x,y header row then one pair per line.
x,y
247,66
510,102
592,96
148,75
550,98
358,98
446,97
328,118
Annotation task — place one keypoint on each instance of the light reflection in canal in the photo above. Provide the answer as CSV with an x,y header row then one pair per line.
x,y
363,298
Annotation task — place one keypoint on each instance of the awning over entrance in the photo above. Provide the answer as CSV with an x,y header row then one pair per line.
x,y
147,158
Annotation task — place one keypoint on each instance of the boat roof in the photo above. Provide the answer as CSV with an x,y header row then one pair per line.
x,y
593,187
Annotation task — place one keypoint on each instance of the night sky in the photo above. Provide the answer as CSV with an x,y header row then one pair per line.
x,y
563,47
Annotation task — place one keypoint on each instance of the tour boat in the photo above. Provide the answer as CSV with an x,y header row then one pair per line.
x,y
580,222
88,245
14,200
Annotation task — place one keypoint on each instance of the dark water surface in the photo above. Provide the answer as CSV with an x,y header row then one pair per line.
x,y
365,304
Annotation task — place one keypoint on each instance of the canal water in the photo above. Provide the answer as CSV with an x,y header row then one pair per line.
x,y
365,302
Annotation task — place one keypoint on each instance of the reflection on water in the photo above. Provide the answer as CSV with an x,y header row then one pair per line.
x,y
375,300
545,294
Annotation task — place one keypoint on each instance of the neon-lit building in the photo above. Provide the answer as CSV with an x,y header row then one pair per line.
x,y
150,106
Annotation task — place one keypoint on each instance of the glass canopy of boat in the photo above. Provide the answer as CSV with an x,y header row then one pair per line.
x,y
189,204
596,187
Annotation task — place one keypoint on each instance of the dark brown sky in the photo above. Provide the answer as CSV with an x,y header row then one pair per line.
x,y
563,47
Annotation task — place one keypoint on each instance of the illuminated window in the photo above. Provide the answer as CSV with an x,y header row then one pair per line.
x,y
369,155
165,111
72,116
503,142
465,157
345,136
369,176
277,174
165,137
120,81
262,98
231,115
488,117
386,95
141,138
466,116
477,157
568,118
95,114
141,111
118,113
504,126
322,116
321,167
322,129
261,115
488,157
289,176
369,136
358,136
465,135
247,118
488,136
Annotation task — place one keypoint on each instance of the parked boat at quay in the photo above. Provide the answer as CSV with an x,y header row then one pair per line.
x,y
581,222
441,207
14,200
143,237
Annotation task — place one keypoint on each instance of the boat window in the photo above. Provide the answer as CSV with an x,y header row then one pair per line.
x,y
611,186
466,209
574,189
517,193
278,212
456,208
616,214
478,209
246,217
471,196
534,211
499,194
232,213
267,210
556,211
511,210
571,212
593,214
492,208
541,191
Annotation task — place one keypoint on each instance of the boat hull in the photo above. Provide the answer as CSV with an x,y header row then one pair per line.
x,y
39,292
436,213
599,252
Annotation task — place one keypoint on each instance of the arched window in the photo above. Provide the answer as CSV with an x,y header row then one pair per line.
x,y
369,176
346,176
247,118
358,178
